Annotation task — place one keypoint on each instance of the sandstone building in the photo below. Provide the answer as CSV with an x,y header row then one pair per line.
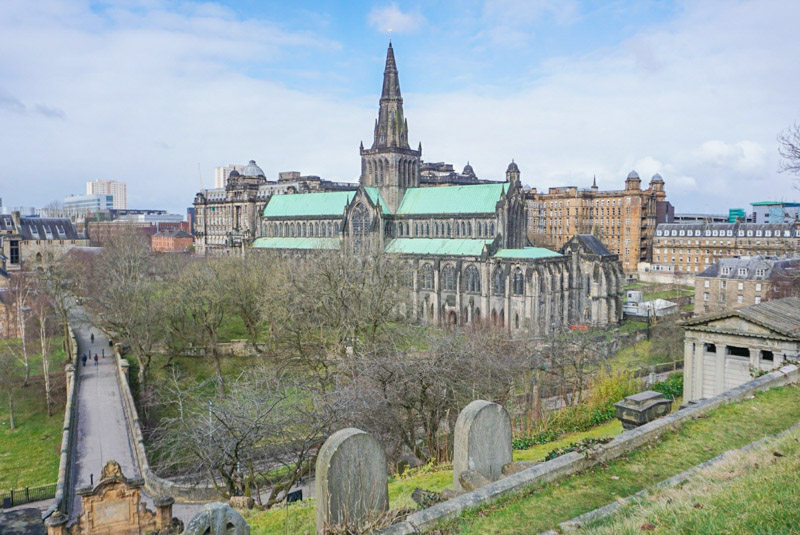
x,y
226,219
624,220
741,281
25,240
692,248
464,245
729,348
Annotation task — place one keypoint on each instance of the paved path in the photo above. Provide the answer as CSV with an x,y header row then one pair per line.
x,y
102,427
102,432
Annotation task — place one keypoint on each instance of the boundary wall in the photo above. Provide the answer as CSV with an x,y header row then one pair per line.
x,y
154,485
574,462
68,437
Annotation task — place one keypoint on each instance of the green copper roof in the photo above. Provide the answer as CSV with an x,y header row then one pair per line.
x,y
436,246
375,196
296,243
527,252
478,198
773,203
329,204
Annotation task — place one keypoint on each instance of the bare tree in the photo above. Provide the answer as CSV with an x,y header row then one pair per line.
x,y
58,279
41,313
198,307
789,141
127,301
8,379
258,440
21,291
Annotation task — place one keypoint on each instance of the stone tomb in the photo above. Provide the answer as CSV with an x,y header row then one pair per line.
x,y
114,506
482,445
351,481
644,407
218,519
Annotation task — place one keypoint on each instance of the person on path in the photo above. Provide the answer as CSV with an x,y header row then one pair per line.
x,y
95,359
92,337
83,359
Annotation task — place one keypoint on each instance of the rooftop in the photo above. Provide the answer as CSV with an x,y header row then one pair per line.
x,y
780,315
330,204
469,199
437,246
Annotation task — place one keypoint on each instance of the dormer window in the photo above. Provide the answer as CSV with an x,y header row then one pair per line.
x,y
726,271
742,272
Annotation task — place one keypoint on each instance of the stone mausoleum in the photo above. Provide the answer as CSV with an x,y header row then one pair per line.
x,y
465,244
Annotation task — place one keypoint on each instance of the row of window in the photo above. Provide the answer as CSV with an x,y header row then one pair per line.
x,y
457,229
768,233
472,280
723,298
315,229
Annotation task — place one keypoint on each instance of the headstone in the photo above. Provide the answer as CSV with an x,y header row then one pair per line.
x,y
351,481
482,441
218,519
642,408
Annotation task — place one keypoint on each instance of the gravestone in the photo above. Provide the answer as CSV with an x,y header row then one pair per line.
x,y
351,481
642,408
482,441
218,519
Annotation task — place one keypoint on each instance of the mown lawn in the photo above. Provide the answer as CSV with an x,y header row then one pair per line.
x,y
29,455
752,492
726,428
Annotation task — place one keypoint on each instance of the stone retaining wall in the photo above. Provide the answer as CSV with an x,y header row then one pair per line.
x,y
574,462
64,484
153,484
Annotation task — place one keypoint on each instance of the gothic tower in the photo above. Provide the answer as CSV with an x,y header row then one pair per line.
x,y
390,164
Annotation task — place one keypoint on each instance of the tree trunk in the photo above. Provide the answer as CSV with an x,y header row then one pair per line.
x,y
218,367
45,365
11,408
23,337
65,325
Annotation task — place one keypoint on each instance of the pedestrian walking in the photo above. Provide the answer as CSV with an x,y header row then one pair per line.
x,y
95,359
92,337
83,359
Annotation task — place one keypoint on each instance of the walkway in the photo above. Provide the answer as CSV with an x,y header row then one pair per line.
x,y
102,428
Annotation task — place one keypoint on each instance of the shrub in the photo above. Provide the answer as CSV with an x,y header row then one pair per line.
x,y
671,388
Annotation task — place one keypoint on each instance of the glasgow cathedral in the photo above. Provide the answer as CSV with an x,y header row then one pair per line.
x,y
463,239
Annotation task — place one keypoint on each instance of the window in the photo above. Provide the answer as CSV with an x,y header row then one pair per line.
x,y
740,286
705,296
498,282
426,276
472,279
757,300
767,355
361,224
449,278
761,272
742,272
726,271
706,284
758,286
518,282
723,285
740,299
710,348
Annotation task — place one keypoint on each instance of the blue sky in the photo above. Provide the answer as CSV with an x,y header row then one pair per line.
x,y
145,90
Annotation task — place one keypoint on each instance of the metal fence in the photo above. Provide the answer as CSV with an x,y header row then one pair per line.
x,y
13,497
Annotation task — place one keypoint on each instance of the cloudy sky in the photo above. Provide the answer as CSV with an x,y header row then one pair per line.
x,y
157,93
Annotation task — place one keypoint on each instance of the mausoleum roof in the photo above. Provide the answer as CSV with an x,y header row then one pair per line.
x,y
526,253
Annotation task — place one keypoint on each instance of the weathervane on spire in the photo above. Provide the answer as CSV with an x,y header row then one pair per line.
x,y
390,35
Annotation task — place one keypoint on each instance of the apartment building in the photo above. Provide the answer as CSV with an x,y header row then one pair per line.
x,y
692,248
119,190
624,220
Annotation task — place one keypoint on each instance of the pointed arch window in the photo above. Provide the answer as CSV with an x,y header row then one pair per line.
x,y
518,282
498,282
491,229
469,229
361,224
449,278
472,279
426,276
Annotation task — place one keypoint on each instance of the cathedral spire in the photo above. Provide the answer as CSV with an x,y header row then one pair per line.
x,y
391,129
391,83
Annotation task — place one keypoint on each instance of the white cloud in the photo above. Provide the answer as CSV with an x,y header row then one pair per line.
x,y
392,18
511,23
